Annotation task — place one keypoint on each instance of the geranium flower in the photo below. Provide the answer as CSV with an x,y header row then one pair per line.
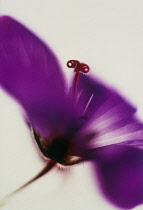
x,y
89,121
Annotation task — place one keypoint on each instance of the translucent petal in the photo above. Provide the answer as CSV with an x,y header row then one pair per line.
x,y
29,72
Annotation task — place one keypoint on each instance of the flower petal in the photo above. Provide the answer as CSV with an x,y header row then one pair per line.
x,y
120,171
111,117
105,100
29,72
108,139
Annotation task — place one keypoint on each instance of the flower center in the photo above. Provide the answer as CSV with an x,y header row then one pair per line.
x,y
57,148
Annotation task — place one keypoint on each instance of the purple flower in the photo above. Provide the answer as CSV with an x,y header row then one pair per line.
x,y
87,122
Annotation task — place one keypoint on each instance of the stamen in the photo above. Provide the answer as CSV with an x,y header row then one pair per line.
x,y
78,67
79,95
88,103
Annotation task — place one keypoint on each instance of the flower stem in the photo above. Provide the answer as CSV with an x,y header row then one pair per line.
x,y
46,169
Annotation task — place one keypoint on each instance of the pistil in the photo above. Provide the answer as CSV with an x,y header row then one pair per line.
x,y
78,68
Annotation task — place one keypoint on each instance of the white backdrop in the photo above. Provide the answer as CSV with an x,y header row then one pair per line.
x,y
107,35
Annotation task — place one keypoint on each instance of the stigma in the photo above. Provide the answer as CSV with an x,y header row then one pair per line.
x,y
78,68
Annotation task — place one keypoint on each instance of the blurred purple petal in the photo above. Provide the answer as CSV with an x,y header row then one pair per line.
x,y
30,72
105,103
112,126
109,116
120,171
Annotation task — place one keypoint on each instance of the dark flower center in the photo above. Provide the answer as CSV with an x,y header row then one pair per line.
x,y
58,149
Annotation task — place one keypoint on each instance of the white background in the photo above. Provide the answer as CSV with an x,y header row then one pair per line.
x,y
108,35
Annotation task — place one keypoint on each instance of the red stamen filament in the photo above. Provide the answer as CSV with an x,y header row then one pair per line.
x,y
78,68
75,83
